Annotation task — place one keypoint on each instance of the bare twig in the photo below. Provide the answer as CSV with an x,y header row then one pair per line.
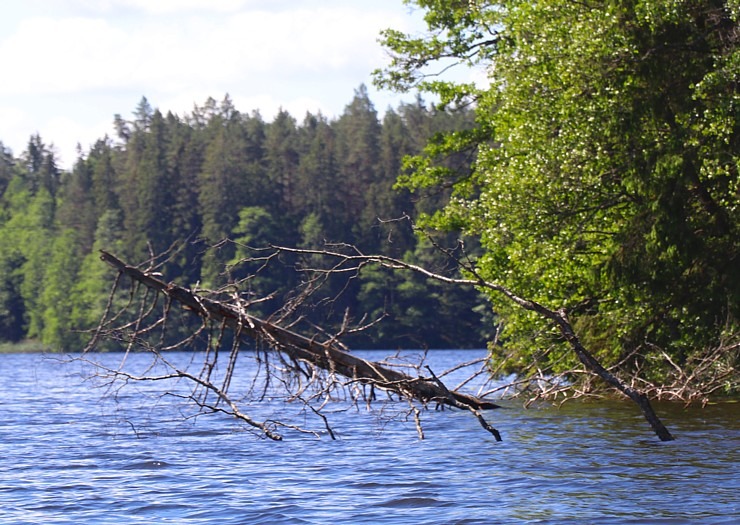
x,y
300,363
558,317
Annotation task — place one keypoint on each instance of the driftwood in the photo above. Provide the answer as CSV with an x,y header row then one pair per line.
x,y
326,356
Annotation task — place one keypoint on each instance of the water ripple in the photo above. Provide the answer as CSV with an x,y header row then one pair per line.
x,y
69,456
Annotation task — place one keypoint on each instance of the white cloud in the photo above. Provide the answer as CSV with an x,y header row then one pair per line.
x,y
174,6
154,7
82,61
68,132
83,54
169,7
12,121
52,56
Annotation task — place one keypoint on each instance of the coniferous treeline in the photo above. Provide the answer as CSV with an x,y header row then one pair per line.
x,y
217,173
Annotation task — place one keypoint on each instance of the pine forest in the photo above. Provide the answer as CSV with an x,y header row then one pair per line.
x,y
203,187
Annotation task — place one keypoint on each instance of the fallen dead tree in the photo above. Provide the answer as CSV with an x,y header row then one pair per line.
x,y
327,353
559,318
326,356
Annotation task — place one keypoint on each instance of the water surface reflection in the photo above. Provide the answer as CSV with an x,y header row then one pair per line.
x,y
68,456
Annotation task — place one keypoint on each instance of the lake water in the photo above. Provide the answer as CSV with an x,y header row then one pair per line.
x,y
70,454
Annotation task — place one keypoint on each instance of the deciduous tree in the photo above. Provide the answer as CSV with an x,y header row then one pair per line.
x,y
605,179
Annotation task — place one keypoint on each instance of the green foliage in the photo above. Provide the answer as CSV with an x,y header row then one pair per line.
x,y
231,177
30,229
605,177
12,310
219,174
56,301
416,307
89,291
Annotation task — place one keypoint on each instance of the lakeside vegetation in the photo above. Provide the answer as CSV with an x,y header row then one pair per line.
x,y
22,347
606,176
192,181
597,174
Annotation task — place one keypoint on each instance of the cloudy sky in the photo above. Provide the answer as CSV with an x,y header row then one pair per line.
x,y
70,65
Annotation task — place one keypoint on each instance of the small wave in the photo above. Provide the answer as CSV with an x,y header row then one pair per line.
x,y
147,465
411,502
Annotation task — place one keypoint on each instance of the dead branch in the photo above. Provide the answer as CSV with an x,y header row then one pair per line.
x,y
300,356
559,317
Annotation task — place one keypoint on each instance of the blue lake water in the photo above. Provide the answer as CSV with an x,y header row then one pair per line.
x,y
72,452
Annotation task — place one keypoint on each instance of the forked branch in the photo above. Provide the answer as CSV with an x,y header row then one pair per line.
x,y
326,356
558,317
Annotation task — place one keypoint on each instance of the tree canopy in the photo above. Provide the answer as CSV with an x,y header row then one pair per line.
x,y
192,182
605,169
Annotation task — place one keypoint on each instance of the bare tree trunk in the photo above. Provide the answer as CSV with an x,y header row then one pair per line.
x,y
325,356
330,357
590,362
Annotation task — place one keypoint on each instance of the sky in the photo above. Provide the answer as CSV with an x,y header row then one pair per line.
x,y
69,66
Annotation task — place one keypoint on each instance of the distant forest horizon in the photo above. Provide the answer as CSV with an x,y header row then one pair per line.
x,y
192,181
